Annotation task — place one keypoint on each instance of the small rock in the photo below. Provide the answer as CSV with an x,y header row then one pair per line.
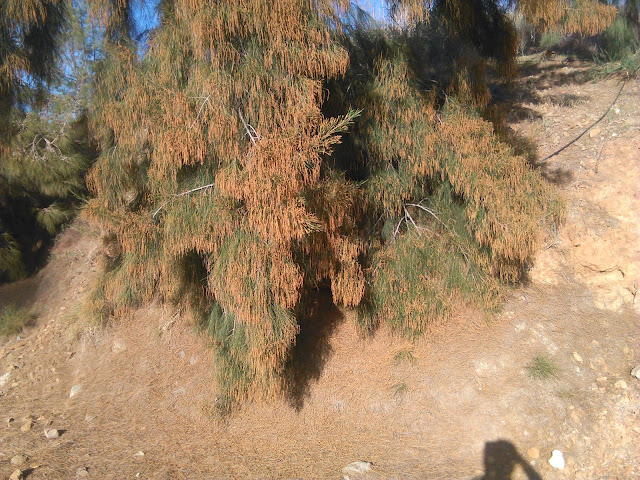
x,y
16,475
577,356
626,349
139,454
26,426
533,453
51,433
356,468
76,389
118,347
635,372
81,472
621,384
18,460
617,110
181,354
601,379
4,379
192,361
10,420
557,460
594,132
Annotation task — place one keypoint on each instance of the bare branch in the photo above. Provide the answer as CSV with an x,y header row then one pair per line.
x,y
433,213
408,215
398,227
204,102
181,194
253,135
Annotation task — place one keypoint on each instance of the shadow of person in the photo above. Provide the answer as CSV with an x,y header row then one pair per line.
x,y
501,459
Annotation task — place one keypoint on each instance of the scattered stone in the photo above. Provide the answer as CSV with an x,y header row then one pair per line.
x,y
16,475
601,379
118,347
81,472
89,418
139,454
577,356
4,379
26,426
76,389
594,132
635,372
51,433
621,384
356,468
192,361
181,354
557,460
533,453
18,460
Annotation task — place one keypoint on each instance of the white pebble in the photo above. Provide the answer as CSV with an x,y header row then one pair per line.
x,y
557,460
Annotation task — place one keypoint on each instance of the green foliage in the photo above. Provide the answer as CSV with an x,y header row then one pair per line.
x,y
42,182
46,150
542,368
551,39
29,43
11,266
13,320
619,41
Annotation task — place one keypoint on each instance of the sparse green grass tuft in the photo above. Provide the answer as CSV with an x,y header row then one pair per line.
x,y
551,39
542,368
13,320
605,66
400,390
404,355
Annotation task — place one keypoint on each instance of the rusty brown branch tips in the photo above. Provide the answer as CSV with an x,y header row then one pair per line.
x,y
585,17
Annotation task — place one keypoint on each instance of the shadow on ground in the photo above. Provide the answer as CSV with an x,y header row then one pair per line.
x,y
318,319
501,459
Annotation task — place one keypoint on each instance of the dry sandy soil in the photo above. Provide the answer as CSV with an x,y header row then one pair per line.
x,y
465,406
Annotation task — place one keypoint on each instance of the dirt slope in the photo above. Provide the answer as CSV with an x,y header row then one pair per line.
x,y
464,407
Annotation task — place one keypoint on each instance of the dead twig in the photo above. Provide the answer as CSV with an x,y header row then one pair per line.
x,y
182,194
253,135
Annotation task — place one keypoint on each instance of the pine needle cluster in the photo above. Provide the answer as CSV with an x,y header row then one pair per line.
x,y
584,17
44,139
